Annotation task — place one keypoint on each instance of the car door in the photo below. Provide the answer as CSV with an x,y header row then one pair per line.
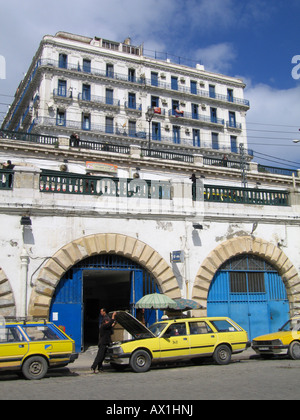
x,y
13,347
174,344
203,339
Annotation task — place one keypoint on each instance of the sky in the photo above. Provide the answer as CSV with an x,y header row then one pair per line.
x,y
256,40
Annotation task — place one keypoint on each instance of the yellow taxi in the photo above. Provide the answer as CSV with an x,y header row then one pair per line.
x,y
176,339
285,341
34,347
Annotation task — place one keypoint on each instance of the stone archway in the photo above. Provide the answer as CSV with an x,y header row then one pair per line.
x,y
249,245
7,300
88,246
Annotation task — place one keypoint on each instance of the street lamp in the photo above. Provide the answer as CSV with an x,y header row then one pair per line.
x,y
149,116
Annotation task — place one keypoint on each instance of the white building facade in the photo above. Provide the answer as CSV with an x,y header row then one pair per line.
x,y
100,196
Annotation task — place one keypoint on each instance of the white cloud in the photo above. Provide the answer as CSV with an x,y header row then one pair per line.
x,y
273,123
218,57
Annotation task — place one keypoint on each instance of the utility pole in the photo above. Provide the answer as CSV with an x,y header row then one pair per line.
x,y
243,166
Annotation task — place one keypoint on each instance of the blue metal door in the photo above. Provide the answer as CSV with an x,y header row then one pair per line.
x,y
136,289
255,298
66,307
142,283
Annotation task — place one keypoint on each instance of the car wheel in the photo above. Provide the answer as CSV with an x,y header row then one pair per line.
x,y
294,350
140,361
222,355
35,367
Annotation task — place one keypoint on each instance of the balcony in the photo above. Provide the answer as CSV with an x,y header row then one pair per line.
x,y
146,82
99,100
62,93
175,113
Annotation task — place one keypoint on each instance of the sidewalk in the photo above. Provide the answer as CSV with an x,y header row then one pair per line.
x,y
84,362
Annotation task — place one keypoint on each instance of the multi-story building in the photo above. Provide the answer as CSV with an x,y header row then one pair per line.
x,y
100,210
103,90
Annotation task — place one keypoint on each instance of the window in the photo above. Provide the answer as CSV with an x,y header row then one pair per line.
x,y
110,45
212,91
174,83
62,88
176,329
10,335
238,282
63,61
154,79
154,101
241,282
86,122
109,96
195,111
233,143
156,131
40,333
230,95
176,134
199,328
109,125
131,75
223,326
109,70
86,92
232,121
61,117
132,128
194,87
196,137
215,141
175,107
86,65
213,115
131,101
157,329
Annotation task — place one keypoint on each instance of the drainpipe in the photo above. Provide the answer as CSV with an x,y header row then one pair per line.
x,y
187,272
188,233
24,283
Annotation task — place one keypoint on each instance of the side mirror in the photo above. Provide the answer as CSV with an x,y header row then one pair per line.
x,y
167,335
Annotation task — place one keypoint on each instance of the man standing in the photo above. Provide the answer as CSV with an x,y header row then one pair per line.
x,y
105,332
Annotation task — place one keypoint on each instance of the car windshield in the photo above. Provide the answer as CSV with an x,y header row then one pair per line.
x,y
157,328
292,324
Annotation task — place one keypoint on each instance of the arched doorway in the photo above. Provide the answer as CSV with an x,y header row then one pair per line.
x,y
249,290
78,250
103,281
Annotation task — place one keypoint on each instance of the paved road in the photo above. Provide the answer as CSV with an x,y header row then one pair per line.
x,y
252,379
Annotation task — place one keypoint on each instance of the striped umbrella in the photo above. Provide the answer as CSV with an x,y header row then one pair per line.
x,y
155,301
